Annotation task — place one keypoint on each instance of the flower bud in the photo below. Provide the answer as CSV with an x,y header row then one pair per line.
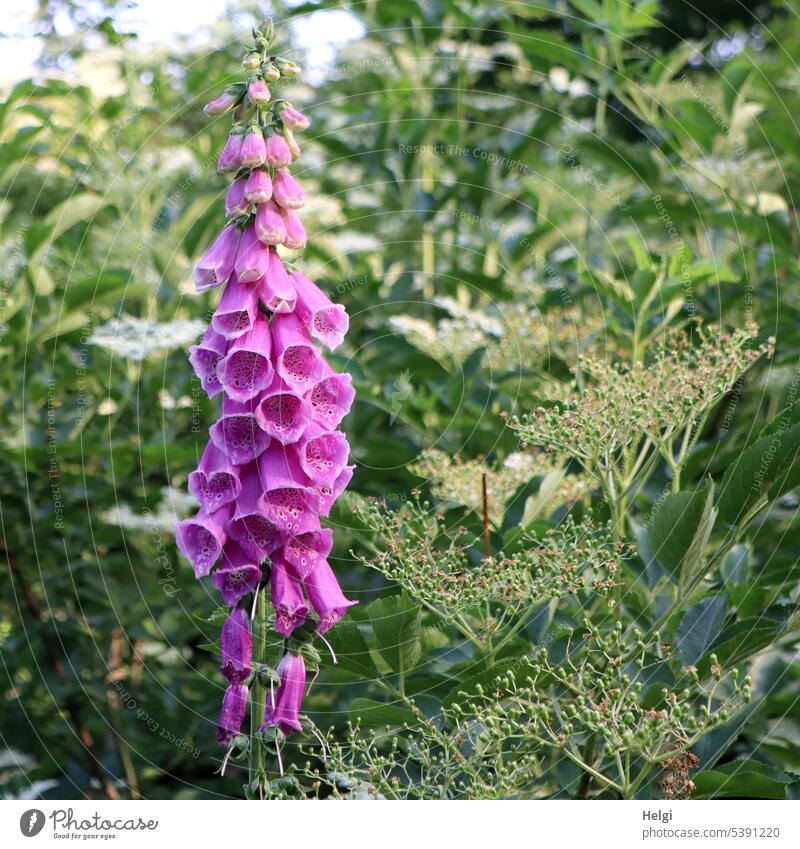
x,y
258,188
229,158
278,154
288,68
221,105
236,203
287,192
291,143
254,150
251,61
270,73
258,93
293,119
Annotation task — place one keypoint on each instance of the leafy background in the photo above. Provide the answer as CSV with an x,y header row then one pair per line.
x,y
497,188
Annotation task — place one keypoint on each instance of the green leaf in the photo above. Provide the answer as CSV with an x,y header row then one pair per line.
x,y
744,638
351,649
764,471
395,622
746,779
700,626
680,530
72,211
372,713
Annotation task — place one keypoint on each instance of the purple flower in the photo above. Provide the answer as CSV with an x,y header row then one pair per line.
x,y
236,311
278,154
221,105
275,461
323,454
258,187
288,500
326,596
284,713
234,705
258,93
282,413
331,398
287,598
254,149
230,156
252,258
236,647
217,262
297,361
329,494
304,551
200,539
246,370
237,574
204,358
325,321
293,119
276,290
215,481
236,203
295,238
238,433
269,225
256,534
286,191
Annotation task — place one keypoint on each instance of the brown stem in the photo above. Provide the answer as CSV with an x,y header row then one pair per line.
x,y
487,536
115,673
54,657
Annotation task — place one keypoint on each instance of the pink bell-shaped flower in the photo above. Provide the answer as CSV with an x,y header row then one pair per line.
x,y
326,321
256,534
221,105
293,119
287,598
236,647
254,149
258,186
331,398
230,155
236,203
237,575
288,499
200,539
234,706
282,413
215,482
286,709
216,264
246,370
238,433
204,359
329,494
236,312
295,238
278,154
269,225
304,551
323,454
286,191
326,596
276,290
252,259
297,361
258,93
